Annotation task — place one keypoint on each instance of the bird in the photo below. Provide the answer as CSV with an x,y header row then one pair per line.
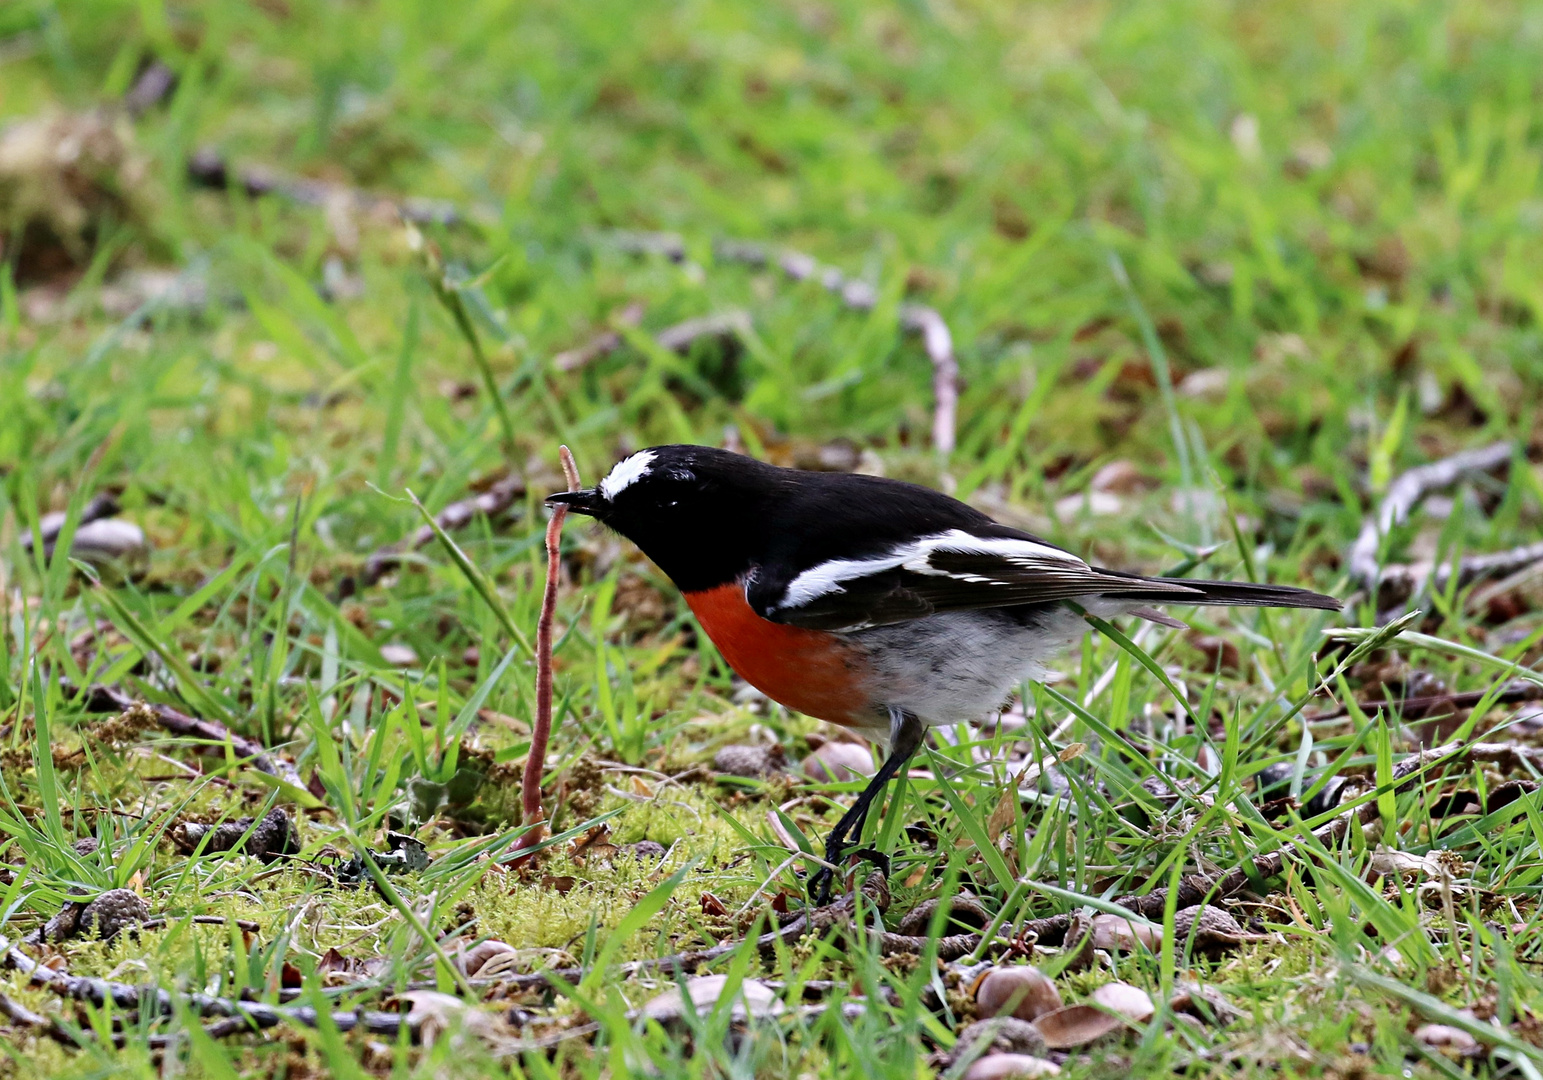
x,y
881,606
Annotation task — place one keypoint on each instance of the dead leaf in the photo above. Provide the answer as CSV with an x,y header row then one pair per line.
x,y
1453,1040
1077,1025
488,958
595,842
839,762
1011,1067
1129,1001
1120,934
1204,1002
430,1013
398,654
1119,477
1019,991
1003,814
752,1000
1219,652
712,906
1401,864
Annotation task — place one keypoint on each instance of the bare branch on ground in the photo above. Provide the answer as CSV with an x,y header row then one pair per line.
x,y
1203,888
1393,584
1422,706
246,1015
937,341
207,168
254,753
490,503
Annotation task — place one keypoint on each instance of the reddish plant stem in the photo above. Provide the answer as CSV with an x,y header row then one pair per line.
x,y
541,730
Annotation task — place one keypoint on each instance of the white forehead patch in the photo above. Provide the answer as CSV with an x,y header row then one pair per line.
x,y
627,471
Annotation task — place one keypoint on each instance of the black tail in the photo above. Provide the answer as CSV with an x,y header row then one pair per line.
x,y
1232,594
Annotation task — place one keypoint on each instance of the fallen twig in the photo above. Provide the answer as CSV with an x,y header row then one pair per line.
x,y
541,729
820,918
937,341
939,344
860,296
207,168
1203,888
678,338
247,1015
1393,584
816,920
1421,707
21,1016
602,344
490,503
254,753
201,920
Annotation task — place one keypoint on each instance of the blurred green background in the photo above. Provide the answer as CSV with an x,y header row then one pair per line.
x,y
1332,207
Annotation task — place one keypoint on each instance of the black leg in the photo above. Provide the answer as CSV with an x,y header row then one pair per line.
x,y
906,732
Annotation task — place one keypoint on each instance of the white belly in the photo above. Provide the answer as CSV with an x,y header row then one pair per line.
x,y
958,666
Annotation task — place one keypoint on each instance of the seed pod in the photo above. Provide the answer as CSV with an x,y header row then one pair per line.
x,y
113,911
754,762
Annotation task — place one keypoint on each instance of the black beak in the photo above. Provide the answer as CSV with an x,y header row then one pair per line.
x,y
587,501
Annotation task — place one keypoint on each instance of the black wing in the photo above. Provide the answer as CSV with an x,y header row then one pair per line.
x,y
945,572
958,570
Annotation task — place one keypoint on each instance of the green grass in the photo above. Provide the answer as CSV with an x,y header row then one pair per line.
x,y
1268,254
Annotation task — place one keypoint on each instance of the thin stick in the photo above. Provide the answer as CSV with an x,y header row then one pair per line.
x,y
256,1015
1202,888
490,503
541,730
937,341
179,723
1406,492
207,168
939,344
727,325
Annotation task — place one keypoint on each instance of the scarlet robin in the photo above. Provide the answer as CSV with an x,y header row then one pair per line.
x,y
874,604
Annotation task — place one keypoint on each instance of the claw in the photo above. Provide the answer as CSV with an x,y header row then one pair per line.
x,y
819,886
875,856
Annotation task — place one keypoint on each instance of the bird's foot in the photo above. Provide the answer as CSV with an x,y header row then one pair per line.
x,y
824,878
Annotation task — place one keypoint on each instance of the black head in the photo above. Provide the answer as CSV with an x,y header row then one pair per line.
x,y
695,510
